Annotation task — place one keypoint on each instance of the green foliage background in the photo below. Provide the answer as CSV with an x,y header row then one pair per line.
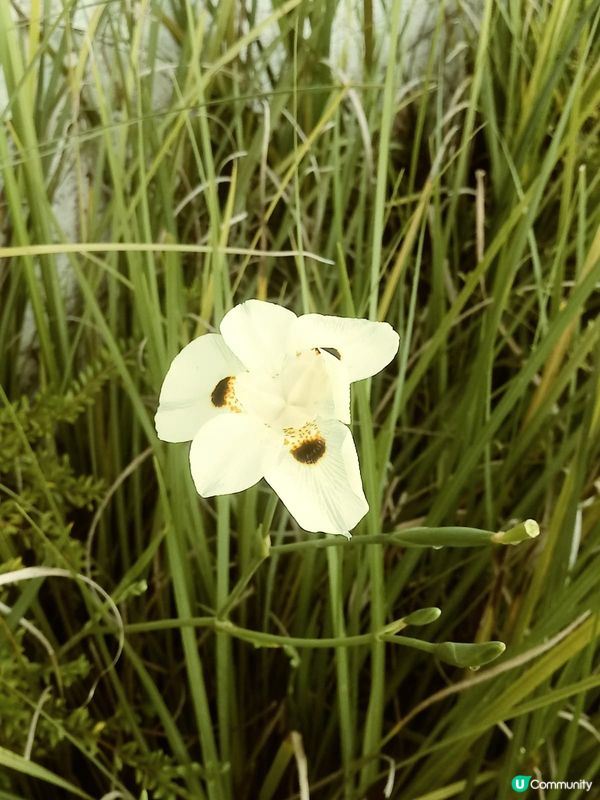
x,y
249,661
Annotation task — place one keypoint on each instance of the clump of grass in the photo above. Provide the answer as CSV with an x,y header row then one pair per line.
x,y
463,211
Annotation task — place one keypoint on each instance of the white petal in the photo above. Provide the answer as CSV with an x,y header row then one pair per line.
x,y
230,453
260,395
258,333
185,402
364,347
317,477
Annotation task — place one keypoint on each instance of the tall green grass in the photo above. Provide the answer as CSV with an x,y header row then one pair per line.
x,y
465,211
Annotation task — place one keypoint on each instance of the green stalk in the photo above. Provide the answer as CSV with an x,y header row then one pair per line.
x,y
176,553
374,719
224,663
344,690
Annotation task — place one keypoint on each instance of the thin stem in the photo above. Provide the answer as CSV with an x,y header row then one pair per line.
x,y
261,639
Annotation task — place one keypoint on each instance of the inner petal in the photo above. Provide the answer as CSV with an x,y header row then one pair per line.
x,y
311,384
305,382
314,383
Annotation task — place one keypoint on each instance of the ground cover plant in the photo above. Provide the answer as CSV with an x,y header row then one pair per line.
x,y
161,163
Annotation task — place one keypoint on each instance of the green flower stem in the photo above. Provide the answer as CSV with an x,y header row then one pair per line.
x,y
409,641
261,639
423,537
459,654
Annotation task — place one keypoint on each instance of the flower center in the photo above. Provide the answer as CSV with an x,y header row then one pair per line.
x,y
302,391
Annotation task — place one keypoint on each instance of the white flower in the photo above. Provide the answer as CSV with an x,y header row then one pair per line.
x,y
270,398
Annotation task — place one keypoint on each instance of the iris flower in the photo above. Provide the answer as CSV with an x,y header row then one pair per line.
x,y
270,398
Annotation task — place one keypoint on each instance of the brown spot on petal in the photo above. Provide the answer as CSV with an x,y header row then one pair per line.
x,y
220,392
306,444
224,394
310,452
333,351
